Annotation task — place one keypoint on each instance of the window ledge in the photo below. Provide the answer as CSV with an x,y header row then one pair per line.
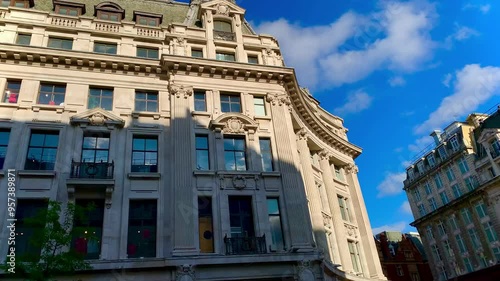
x,y
144,175
238,173
263,117
202,113
137,114
271,174
341,182
203,173
6,104
37,173
57,108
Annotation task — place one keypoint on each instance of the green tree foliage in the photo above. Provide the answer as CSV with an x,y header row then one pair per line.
x,y
53,234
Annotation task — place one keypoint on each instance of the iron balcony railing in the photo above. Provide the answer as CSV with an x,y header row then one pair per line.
x,y
224,35
245,245
84,170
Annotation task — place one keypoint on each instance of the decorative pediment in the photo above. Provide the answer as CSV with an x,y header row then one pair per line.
x,y
235,123
97,117
222,7
487,135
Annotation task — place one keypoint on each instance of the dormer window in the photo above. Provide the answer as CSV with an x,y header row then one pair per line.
x,y
18,3
109,11
68,8
147,19
223,26
223,30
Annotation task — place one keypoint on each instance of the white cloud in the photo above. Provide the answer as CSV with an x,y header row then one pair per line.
x,y
355,102
474,85
397,226
395,37
391,185
447,79
482,8
397,81
405,208
461,33
420,144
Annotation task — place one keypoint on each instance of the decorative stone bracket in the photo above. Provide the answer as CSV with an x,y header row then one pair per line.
x,y
185,272
108,195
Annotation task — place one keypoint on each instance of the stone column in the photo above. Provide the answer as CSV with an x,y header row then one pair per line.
x,y
293,188
184,242
312,191
341,252
209,27
370,259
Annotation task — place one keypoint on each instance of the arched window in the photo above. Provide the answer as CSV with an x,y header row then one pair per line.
x,y
223,26
109,11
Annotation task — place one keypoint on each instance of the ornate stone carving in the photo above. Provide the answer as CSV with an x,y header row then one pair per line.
x,y
351,230
179,46
325,155
302,134
181,91
234,126
222,9
304,271
185,273
109,194
351,168
239,182
327,220
278,99
97,119
235,123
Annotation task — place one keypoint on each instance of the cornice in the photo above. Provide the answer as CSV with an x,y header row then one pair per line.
x,y
91,61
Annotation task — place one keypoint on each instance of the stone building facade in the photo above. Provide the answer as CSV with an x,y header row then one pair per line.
x,y
203,157
453,193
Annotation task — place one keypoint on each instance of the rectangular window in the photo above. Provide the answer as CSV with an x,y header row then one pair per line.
x,y
490,232
431,160
88,228
450,174
67,10
29,209
142,229
197,53
5,3
23,39
230,103
343,208
100,97
12,91
235,154
259,106
266,155
496,253
145,154
495,145
432,204
453,223
411,173
95,148
428,188
202,153
339,172
444,197
441,228
149,53
52,94
146,101
442,152
421,210
473,238
103,15
253,59
354,253
42,150
420,166
454,143
429,232
241,216
471,183
466,216
468,264
461,243
60,43
275,224
436,253
462,164
4,142
205,224
456,190
148,21
200,100
481,209
438,181
225,56
105,48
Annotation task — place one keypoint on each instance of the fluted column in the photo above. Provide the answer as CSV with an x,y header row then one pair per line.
x,y
341,251
184,242
370,259
293,189
312,191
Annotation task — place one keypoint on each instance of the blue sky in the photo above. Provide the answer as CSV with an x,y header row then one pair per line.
x,y
394,70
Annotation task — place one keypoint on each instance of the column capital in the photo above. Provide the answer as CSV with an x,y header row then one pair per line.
x,y
351,168
180,90
302,134
277,99
325,155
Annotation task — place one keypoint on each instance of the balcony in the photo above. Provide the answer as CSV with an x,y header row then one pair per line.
x,y
245,245
224,35
82,170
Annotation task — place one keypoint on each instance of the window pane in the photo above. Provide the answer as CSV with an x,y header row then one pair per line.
x,y
202,161
107,104
151,144
140,105
202,142
102,143
23,39
230,161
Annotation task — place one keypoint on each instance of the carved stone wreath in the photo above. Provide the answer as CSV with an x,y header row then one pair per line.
x,y
97,119
234,125
239,182
222,9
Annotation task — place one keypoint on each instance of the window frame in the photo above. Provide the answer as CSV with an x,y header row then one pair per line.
x,y
234,152
70,6
100,97
198,101
144,168
12,93
268,152
107,45
197,51
37,206
206,214
155,51
61,41
146,100
149,17
225,24
20,36
261,107
253,59
231,103
4,144
89,222
204,150
52,94
275,240
225,55
143,222
44,147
